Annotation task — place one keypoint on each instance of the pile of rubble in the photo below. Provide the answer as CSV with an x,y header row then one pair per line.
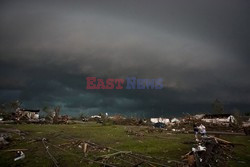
x,y
210,151
4,139
6,136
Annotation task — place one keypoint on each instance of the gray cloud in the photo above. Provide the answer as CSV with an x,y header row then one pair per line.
x,y
199,48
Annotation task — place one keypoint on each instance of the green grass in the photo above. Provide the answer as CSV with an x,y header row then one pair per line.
x,y
161,145
241,152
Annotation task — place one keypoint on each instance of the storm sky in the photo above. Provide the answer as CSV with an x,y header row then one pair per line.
x,y
201,49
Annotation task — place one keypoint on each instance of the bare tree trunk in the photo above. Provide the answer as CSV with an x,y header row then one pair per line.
x,y
55,119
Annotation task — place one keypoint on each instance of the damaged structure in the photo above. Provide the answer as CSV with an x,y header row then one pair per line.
x,y
161,120
26,114
219,118
175,120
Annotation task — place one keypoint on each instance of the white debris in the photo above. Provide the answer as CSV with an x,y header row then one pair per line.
x,y
21,155
95,116
162,120
175,120
201,148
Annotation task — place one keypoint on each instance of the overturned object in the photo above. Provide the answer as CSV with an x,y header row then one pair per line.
x,y
199,148
20,155
159,125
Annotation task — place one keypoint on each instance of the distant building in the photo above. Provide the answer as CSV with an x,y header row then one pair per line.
x,y
219,118
116,117
199,116
175,120
162,120
95,116
246,123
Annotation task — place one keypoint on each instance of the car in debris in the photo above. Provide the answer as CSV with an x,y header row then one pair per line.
x,y
159,125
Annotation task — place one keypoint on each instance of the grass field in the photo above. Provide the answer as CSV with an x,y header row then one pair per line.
x,y
161,145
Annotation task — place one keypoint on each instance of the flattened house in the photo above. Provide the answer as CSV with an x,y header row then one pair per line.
x,y
219,118
27,114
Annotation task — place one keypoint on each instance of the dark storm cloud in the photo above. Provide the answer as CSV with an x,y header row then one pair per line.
x,y
199,48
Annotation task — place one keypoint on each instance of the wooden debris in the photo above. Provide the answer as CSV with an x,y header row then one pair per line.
x,y
216,154
221,140
85,148
15,150
114,154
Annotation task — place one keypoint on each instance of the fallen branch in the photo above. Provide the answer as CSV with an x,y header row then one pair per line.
x,y
15,150
222,140
83,158
114,154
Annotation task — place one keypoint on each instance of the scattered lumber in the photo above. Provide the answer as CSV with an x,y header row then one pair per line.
x,y
15,150
222,140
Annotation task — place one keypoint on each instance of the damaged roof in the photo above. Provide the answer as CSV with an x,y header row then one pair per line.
x,y
29,110
217,115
